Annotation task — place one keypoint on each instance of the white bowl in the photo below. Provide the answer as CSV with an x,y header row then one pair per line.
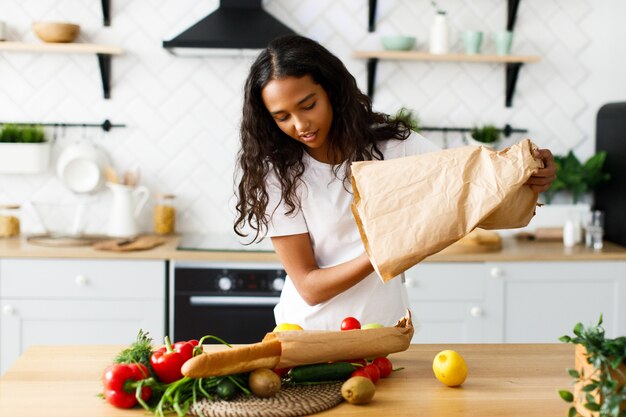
x,y
81,168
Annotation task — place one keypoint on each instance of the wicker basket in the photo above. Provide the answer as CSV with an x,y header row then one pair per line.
x,y
60,32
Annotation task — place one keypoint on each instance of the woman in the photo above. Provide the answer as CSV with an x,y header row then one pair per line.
x,y
304,122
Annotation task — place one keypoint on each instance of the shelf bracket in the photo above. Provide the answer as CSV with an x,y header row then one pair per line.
x,y
106,12
104,61
372,63
371,27
512,71
512,14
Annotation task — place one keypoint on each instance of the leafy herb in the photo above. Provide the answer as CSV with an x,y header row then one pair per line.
x,y
576,177
486,134
12,133
606,356
139,351
408,117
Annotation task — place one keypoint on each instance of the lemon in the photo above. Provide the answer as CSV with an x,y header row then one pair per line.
x,y
282,327
450,368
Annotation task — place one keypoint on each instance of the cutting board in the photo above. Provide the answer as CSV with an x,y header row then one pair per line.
x,y
478,241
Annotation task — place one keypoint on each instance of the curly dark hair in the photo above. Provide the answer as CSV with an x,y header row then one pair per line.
x,y
354,133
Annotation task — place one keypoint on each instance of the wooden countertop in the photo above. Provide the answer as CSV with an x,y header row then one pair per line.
x,y
503,380
512,251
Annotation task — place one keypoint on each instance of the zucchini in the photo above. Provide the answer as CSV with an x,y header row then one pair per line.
x,y
321,372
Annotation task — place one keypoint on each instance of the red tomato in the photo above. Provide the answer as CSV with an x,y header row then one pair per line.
x,y
384,365
373,371
350,323
361,372
281,372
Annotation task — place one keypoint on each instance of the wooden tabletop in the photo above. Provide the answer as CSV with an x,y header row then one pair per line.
x,y
513,250
503,380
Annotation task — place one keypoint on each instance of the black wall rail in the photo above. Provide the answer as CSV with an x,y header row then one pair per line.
x,y
507,130
106,125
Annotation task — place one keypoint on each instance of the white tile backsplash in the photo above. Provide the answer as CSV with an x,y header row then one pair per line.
x,y
182,114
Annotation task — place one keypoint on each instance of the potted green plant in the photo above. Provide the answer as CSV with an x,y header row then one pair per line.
x,y
487,135
408,117
575,177
23,149
599,373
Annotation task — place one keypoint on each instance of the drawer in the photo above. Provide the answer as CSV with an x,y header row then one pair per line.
x,y
97,279
446,281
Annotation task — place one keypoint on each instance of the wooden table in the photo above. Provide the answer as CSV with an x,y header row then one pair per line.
x,y
504,380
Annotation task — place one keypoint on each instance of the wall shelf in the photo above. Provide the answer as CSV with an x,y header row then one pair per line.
x,y
103,52
513,64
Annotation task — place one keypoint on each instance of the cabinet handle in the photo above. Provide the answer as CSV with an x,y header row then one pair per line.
x,y
81,280
8,310
497,272
410,282
476,311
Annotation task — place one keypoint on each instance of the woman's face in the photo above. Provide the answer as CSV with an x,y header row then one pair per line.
x,y
302,110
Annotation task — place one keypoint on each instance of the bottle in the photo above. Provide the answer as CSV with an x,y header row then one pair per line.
x,y
569,238
164,214
9,220
439,34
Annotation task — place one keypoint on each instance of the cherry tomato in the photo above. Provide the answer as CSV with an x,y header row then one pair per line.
x,y
361,372
373,371
281,372
384,365
350,323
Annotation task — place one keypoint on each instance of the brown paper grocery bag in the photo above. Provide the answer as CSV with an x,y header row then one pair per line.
x,y
409,208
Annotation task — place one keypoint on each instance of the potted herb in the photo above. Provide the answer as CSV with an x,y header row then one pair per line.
x,y
408,117
23,149
487,135
575,177
599,373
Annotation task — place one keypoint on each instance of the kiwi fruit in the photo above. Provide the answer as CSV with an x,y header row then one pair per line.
x,y
264,382
358,390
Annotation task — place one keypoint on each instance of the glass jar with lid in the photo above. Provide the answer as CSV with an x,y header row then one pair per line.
x,y
164,214
9,220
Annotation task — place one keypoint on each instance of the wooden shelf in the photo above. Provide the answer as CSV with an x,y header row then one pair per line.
x,y
513,64
103,53
425,56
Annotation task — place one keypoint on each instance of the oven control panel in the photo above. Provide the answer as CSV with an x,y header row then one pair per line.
x,y
232,279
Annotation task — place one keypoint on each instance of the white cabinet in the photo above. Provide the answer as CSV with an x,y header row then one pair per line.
x,y
60,301
515,302
540,301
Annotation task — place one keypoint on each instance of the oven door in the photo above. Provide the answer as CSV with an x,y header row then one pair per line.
x,y
235,319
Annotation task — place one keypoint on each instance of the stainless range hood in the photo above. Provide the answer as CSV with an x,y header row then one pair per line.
x,y
235,28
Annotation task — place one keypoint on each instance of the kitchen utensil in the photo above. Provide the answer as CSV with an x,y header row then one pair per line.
x,y
126,206
58,220
111,175
80,167
56,31
398,43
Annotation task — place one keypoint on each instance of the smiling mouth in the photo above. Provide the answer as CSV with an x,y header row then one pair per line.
x,y
309,136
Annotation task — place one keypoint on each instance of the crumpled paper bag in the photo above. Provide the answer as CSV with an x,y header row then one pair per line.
x,y
410,208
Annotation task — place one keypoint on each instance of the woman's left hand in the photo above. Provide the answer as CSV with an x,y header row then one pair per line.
x,y
543,178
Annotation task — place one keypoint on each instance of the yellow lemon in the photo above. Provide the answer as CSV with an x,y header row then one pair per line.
x,y
450,368
282,327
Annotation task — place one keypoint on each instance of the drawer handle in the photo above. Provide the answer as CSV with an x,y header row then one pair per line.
x,y
81,280
410,282
497,272
8,310
476,311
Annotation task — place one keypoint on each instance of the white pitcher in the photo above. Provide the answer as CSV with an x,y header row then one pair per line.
x,y
125,208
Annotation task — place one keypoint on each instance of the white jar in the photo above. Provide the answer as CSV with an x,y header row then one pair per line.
x,y
569,237
439,34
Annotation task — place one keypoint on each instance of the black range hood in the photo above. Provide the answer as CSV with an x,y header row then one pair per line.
x,y
235,26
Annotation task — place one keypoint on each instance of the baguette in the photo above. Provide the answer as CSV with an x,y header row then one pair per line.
x,y
235,360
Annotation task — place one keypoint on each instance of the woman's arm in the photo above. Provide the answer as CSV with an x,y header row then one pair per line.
x,y
315,284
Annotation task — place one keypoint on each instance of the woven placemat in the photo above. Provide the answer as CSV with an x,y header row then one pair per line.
x,y
299,400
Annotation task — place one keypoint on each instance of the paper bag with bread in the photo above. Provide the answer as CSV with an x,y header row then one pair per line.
x,y
409,208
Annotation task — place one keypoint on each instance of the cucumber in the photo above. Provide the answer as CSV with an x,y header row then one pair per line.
x,y
321,372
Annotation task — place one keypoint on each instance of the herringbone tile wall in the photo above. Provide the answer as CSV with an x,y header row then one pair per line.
x,y
182,114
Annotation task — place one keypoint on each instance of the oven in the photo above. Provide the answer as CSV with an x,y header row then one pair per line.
x,y
233,301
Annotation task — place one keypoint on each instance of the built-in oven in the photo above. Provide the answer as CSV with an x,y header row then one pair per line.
x,y
233,301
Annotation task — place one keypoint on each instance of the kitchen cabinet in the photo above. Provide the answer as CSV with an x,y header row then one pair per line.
x,y
61,301
515,302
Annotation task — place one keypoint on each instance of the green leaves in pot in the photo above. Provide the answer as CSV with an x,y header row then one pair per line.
x,y
11,133
576,177
486,134
408,117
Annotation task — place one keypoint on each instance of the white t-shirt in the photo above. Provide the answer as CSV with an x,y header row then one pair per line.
x,y
326,215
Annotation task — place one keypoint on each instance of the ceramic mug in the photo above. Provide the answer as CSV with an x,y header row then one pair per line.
x,y
503,42
472,39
